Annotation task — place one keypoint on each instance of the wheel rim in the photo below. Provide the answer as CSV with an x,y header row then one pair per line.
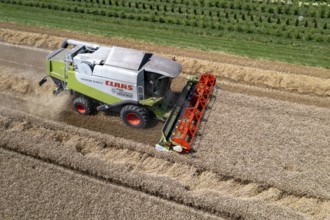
x,y
133,119
81,109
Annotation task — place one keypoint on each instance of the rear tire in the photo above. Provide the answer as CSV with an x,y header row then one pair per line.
x,y
82,106
135,116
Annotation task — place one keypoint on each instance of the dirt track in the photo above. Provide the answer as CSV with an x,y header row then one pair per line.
x,y
258,158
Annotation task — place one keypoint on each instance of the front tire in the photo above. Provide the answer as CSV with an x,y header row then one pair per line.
x,y
82,106
135,116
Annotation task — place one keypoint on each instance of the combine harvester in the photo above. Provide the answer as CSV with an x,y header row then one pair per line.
x,y
134,83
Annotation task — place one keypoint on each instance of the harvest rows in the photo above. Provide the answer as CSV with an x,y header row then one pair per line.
x,y
109,160
80,191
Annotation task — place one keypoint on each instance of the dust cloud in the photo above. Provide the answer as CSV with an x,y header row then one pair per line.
x,y
50,106
20,93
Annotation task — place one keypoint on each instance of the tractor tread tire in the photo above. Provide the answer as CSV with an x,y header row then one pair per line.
x,y
141,112
82,102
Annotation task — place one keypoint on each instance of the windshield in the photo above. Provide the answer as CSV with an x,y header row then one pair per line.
x,y
156,85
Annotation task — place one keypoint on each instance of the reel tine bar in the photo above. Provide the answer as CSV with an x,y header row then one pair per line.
x,y
188,124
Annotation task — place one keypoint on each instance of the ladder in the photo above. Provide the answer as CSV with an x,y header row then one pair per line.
x,y
67,62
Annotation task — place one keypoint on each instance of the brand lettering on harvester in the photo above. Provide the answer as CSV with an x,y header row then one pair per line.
x,y
118,85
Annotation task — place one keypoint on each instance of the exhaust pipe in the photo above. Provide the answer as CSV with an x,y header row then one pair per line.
x,y
43,81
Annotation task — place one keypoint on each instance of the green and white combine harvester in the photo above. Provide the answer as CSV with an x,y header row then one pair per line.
x,y
134,83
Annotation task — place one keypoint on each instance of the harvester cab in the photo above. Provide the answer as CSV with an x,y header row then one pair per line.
x,y
135,83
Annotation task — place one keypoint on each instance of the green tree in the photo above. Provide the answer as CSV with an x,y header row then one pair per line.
x,y
309,36
263,8
306,24
288,34
288,11
298,36
322,13
280,10
278,21
287,22
269,20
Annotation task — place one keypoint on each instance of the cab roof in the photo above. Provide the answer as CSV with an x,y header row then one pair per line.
x,y
137,60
